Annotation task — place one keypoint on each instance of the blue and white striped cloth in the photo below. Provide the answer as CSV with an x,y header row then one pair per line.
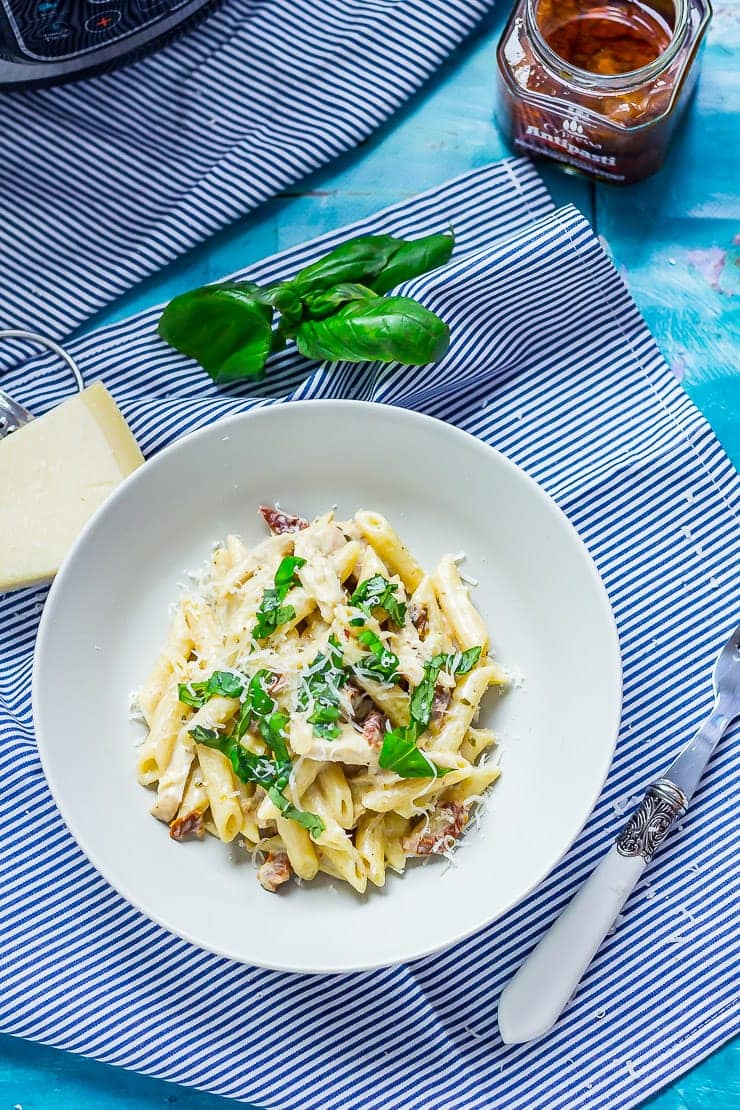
x,y
551,363
104,181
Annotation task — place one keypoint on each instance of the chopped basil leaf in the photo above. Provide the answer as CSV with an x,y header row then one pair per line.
x,y
252,768
401,755
378,593
458,662
221,683
207,736
243,720
272,613
381,665
422,698
259,700
194,694
225,684
325,713
272,730
285,573
319,691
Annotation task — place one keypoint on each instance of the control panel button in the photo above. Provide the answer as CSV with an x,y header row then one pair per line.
x,y
103,21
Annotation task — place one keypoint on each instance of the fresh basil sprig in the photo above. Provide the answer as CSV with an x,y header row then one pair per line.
x,y
378,593
272,613
399,752
335,308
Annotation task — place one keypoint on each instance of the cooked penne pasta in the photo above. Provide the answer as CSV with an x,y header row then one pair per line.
x,y
316,698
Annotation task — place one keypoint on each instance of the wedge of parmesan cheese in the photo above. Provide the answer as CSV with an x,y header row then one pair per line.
x,y
54,473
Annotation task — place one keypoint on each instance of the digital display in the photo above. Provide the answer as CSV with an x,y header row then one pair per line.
x,y
46,30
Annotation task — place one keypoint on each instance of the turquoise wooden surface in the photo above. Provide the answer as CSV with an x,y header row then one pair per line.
x,y
675,238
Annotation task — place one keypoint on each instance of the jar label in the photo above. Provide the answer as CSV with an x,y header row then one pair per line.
x,y
569,143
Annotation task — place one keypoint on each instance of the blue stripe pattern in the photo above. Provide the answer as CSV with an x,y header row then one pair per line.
x,y
104,181
552,364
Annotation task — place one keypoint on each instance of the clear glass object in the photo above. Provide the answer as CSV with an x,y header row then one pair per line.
x,y
599,85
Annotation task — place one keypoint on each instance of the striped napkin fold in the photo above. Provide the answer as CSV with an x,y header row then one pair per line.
x,y
553,365
104,181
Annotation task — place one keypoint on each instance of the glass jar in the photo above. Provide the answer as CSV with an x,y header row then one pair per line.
x,y
599,85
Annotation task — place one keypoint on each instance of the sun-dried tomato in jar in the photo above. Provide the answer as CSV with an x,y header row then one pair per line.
x,y
599,85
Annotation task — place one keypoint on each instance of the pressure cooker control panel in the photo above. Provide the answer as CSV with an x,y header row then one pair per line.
x,y
46,30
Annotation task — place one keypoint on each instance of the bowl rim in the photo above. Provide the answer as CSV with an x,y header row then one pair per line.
x,y
337,406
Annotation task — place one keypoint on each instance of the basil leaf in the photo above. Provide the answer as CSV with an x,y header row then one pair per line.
x,y
422,699
320,689
243,720
382,664
273,733
328,301
221,683
458,662
259,700
225,685
379,261
369,639
414,257
286,299
252,768
285,573
401,755
358,260
224,327
325,713
468,660
310,821
381,329
207,736
378,593
272,613
193,693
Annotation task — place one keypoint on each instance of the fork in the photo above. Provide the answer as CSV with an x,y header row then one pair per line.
x,y
540,990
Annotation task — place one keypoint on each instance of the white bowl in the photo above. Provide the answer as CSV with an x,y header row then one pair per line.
x,y
541,596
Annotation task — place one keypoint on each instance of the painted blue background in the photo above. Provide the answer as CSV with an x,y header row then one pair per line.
x,y
676,240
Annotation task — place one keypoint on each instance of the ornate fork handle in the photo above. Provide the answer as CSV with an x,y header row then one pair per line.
x,y
651,822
